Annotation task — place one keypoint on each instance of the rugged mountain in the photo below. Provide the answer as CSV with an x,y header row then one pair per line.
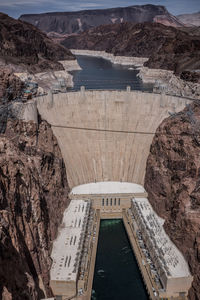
x,y
76,22
172,182
33,196
23,46
166,47
190,19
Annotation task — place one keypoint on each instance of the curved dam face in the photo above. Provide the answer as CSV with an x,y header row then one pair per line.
x,y
106,135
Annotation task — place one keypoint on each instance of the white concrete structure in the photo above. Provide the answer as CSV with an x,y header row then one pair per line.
x,y
109,197
106,135
67,248
109,187
169,262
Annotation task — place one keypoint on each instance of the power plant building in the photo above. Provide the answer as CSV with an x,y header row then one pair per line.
x,y
66,253
172,269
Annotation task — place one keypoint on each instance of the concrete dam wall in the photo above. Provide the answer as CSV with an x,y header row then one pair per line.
x,y
106,135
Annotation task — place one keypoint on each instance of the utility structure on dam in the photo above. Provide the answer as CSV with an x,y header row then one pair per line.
x,y
105,139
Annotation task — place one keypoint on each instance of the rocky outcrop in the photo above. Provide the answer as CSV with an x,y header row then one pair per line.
x,y
57,24
172,182
166,47
187,85
168,20
190,19
33,196
10,86
23,46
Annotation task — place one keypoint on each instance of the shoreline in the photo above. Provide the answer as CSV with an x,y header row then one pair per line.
x,y
48,79
121,60
165,81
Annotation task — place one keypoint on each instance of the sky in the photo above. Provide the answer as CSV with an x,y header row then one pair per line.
x,y
15,8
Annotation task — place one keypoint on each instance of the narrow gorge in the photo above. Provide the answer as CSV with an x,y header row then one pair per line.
x,y
33,195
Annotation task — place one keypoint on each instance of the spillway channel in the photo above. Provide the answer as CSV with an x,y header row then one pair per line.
x,y
116,274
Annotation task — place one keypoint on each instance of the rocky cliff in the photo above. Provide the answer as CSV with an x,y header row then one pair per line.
x,y
23,46
166,47
190,19
10,86
172,182
33,196
64,23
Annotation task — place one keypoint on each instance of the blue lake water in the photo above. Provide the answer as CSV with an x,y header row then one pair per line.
x,y
99,73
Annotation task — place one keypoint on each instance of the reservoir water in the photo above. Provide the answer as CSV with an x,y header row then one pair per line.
x,y
116,276
99,73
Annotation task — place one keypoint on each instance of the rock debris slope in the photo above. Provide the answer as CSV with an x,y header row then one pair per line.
x,y
33,196
172,182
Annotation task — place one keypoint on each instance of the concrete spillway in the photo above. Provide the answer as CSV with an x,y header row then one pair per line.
x,y
106,135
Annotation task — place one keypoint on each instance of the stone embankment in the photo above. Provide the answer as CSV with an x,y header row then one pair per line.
x,y
70,65
122,60
165,81
50,79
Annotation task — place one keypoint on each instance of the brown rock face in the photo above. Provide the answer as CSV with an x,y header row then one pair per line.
x,y
172,182
190,19
33,196
25,46
10,86
63,23
166,47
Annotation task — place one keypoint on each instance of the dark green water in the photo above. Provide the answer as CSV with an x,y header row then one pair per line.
x,y
116,275
99,73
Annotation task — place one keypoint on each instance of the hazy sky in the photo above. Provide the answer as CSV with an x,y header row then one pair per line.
x,y
15,8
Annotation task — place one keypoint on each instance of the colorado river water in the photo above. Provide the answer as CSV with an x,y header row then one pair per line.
x,y
99,73
116,276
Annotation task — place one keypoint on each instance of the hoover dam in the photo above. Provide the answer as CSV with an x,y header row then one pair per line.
x,y
106,135
105,138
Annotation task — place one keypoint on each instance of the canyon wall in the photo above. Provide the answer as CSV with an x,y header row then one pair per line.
x,y
172,182
106,135
165,47
24,47
61,24
33,196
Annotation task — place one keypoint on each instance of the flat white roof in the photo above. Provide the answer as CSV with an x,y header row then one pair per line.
x,y
68,245
108,187
175,262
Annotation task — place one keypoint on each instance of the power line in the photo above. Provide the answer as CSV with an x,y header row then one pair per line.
x,y
124,131
102,130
